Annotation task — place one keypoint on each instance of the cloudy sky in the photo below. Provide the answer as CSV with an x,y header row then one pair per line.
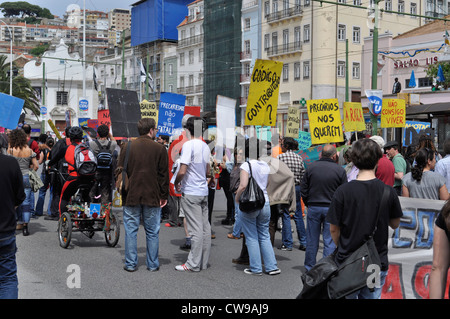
x,y
58,7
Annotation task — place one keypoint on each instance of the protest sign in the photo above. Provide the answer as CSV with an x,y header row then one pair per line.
x,y
353,117
393,113
262,102
310,155
413,130
325,121
92,124
10,110
54,129
411,250
124,111
226,121
171,112
304,140
149,110
103,118
192,110
293,122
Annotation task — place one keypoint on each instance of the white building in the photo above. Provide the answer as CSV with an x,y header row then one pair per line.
x,y
63,76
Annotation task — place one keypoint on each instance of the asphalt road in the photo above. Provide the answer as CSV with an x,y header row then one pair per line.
x,y
45,270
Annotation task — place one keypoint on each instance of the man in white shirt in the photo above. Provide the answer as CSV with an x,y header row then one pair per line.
x,y
443,165
192,181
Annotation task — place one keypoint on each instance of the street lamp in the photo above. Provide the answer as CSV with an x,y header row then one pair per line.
x,y
10,57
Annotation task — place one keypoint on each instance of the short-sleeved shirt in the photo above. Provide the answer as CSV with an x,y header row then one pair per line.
x,y
354,209
195,154
428,187
440,222
399,166
93,145
260,172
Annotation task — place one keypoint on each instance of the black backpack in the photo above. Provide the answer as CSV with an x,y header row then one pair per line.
x,y
104,156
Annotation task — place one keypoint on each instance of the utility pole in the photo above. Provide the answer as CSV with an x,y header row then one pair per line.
x,y
373,118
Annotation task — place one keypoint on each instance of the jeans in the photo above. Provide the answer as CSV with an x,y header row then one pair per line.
x,y
286,230
131,220
256,230
42,192
9,284
298,217
23,211
315,222
365,292
237,227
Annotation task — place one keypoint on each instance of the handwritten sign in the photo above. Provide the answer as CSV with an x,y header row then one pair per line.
x,y
263,133
262,102
353,117
413,130
304,140
149,110
393,113
293,122
325,121
10,110
104,118
310,155
171,111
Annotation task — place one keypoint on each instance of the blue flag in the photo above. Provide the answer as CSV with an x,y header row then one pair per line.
x,y
412,80
440,75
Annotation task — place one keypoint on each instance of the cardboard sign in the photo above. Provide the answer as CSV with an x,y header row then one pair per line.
x,y
353,117
325,121
124,111
104,118
304,140
171,112
10,110
293,122
393,113
149,110
262,102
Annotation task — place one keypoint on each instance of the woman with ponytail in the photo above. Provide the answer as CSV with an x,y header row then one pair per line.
x,y
422,182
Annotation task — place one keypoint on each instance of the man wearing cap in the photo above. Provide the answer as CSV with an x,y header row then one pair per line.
x,y
385,169
399,162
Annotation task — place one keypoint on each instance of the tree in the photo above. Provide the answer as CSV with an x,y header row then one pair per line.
x,y
21,88
23,8
432,71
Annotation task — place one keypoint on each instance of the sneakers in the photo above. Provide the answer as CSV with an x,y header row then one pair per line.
x,y
249,272
274,272
182,267
283,247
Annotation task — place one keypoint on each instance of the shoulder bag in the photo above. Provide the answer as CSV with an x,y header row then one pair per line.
x,y
252,198
353,274
122,178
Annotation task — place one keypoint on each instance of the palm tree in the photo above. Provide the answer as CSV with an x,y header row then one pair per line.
x,y
21,88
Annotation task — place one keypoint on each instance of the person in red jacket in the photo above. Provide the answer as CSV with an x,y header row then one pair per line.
x,y
385,169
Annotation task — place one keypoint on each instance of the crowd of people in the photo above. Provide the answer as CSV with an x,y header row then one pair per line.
x,y
173,183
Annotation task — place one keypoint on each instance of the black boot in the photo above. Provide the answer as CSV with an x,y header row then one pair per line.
x,y
25,230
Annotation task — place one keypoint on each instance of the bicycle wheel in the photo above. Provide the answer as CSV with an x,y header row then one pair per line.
x,y
65,230
112,235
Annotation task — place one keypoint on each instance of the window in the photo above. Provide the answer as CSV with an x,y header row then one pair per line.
x,y
356,2
306,70
182,59
297,39
274,42
247,24
356,70
170,88
297,71
266,42
62,98
307,3
285,72
181,81
401,6
200,55
274,6
247,49
356,35
388,5
285,40
413,9
341,32
306,33
170,69
191,57
266,8
341,69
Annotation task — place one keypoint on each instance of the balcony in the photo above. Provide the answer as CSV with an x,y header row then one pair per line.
x,y
245,78
278,16
197,39
246,55
284,49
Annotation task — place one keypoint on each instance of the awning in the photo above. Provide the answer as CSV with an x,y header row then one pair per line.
x,y
435,109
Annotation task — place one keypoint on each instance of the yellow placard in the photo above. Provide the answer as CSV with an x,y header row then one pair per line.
x,y
150,110
393,113
325,121
262,102
353,117
293,122
54,129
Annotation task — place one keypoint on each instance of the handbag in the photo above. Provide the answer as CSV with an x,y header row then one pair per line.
x,y
315,280
352,274
252,198
35,181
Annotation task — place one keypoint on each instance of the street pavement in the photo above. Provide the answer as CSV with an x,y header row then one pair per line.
x,y
46,271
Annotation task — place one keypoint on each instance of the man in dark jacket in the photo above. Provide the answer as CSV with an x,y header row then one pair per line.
x,y
148,191
13,194
319,183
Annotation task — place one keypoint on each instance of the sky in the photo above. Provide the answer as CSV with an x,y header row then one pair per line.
x,y
58,7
